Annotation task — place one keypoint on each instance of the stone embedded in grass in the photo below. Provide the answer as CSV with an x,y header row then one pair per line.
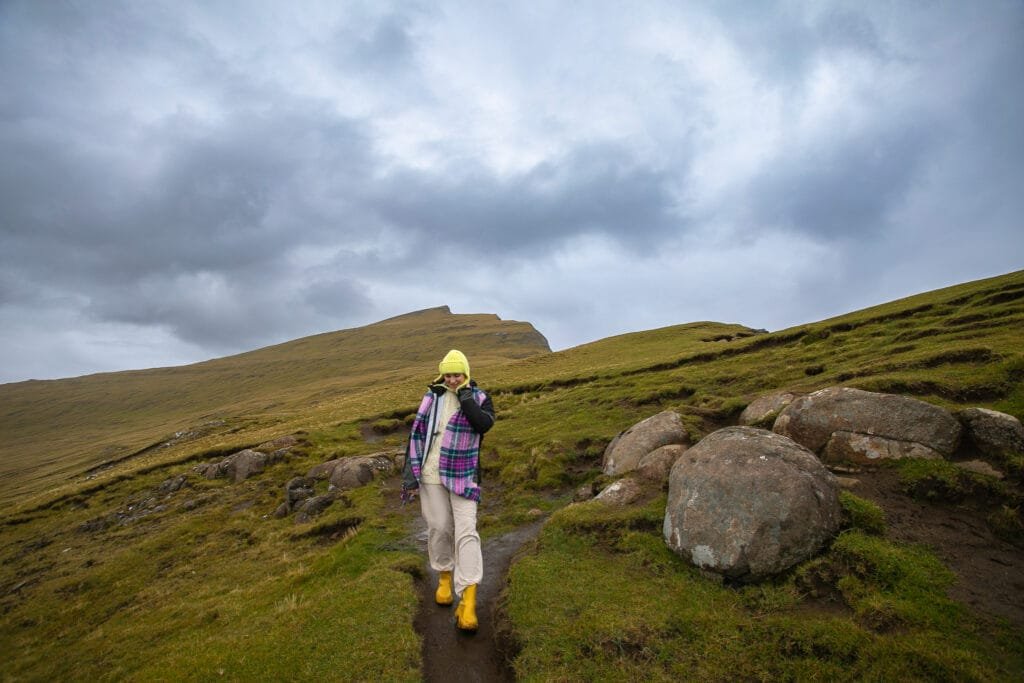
x,y
244,464
993,433
813,419
241,465
623,454
747,504
622,492
766,408
353,472
980,467
311,507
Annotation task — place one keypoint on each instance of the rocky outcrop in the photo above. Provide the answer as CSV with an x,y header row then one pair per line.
x,y
993,433
766,408
840,422
311,507
625,451
241,465
746,503
354,471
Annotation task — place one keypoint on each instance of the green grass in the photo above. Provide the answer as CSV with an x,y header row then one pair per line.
x,y
213,586
631,610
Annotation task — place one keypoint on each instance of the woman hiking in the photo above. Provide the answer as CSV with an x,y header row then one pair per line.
x,y
443,463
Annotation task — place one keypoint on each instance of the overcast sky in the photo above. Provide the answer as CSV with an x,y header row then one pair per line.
x,y
187,180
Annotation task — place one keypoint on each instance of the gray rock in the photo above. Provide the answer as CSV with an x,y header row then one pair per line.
x,y
747,503
655,466
622,492
173,484
350,473
241,465
584,492
766,408
864,449
323,470
811,420
993,433
210,470
980,467
312,507
297,490
623,454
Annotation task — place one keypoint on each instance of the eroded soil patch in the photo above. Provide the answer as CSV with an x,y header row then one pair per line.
x,y
990,571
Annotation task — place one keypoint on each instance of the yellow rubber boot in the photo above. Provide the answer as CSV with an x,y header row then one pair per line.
x,y
465,613
443,596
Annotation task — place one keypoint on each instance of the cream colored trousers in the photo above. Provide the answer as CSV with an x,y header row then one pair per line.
x,y
452,541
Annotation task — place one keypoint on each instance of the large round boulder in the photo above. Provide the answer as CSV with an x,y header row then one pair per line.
x,y
747,504
623,454
812,420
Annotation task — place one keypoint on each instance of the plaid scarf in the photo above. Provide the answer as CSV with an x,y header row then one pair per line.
x,y
460,446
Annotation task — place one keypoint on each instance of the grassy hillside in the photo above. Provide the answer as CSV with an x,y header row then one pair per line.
x,y
208,584
56,431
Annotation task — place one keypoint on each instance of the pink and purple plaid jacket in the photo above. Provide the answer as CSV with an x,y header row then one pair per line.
x,y
460,443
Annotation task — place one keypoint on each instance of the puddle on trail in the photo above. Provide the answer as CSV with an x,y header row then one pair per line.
x,y
448,654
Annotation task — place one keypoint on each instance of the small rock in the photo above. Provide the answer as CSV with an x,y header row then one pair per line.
x,y
766,408
244,464
313,507
584,492
980,467
173,484
656,465
622,492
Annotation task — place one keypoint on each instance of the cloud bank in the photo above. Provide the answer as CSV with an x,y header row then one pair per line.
x,y
188,180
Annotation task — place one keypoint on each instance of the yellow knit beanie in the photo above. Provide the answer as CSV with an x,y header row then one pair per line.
x,y
454,362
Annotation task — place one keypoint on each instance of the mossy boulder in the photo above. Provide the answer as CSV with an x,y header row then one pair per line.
x,y
867,423
626,450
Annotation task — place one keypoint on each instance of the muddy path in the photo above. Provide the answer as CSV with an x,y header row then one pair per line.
x,y
449,654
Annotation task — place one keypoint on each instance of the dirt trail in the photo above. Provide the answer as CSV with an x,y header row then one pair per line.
x,y
448,654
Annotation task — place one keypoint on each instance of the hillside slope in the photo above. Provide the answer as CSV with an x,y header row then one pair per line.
x,y
54,431
121,577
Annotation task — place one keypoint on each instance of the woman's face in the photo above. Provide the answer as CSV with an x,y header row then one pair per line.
x,y
453,380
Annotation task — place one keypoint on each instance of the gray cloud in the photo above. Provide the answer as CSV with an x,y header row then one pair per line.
x,y
595,190
185,180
